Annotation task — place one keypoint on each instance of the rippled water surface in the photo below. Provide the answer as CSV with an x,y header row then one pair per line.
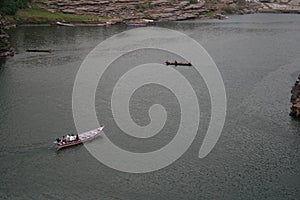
x,y
256,157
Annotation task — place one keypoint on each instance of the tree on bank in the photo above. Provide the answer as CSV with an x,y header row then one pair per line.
x,y
10,7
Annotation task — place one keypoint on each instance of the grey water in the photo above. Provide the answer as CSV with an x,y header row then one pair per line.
x,y
256,157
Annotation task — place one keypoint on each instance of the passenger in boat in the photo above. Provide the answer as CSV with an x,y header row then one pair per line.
x,y
176,63
77,137
73,137
64,139
68,138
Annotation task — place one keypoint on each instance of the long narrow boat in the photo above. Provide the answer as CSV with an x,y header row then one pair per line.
x,y
178,63
142,22
39,50
81,138
64,24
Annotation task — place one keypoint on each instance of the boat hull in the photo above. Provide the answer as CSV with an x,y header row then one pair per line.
x,y
68,144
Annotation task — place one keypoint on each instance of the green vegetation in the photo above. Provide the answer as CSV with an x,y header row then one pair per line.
x,y
210,14
37,15
17,11
213,3
10,7
230,10
193,1
144,5
148,16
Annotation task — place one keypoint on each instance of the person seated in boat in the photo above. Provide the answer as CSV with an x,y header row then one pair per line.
x,y
64,139
77,137
71,138
176,62
68,138
58,140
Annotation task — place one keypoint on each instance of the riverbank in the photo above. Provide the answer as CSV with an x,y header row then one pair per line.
x,y
295,100
157,10
89,12
86,12
283,6
5,47
38,15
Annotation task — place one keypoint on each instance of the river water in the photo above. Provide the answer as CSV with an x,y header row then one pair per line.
x,y
256,157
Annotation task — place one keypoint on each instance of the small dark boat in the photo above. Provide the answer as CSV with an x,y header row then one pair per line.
x,y
39,50
178,63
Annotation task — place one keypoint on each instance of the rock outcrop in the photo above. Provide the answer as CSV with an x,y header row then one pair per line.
x,y
295,100
5,48
281,6
159,10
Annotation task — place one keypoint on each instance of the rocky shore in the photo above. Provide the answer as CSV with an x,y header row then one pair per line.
x,y
158,10
5,47
280,6
295,99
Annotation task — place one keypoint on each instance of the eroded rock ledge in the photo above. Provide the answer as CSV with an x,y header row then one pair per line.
x,y
159,10
5,48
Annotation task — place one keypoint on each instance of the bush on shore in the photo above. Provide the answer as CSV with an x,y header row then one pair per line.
x,y
10,7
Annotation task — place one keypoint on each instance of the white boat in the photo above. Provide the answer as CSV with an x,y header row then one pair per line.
x,y
142,22
64,24
79,139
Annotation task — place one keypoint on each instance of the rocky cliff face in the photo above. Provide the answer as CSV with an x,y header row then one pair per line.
x,y
5,48
159,10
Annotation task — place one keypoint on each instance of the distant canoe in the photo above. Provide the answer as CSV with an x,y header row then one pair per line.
x,y
142,22
178,63
107,23
64,24
39,50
